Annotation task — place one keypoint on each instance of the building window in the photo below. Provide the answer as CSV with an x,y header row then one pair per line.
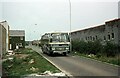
x,y
21,38
93,38
96,37
112,35
90,37
20,45
108,37
104,38
86,38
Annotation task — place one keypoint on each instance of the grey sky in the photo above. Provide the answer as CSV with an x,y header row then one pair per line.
x,y
38,17
119,9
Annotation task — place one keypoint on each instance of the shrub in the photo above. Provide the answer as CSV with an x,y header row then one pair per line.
x,y
79,46
94,47
75,45
109,50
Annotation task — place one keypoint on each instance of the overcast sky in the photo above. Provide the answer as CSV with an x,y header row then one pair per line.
x,y
37,17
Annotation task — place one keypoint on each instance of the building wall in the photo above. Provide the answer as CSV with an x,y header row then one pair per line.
x,y
2,44
90,34
17,40
6,26
110,31
119,31
2,40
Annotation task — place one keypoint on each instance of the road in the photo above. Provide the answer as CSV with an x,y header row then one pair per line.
x,y
80,66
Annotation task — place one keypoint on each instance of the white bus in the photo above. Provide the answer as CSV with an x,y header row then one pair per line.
x,y
56,42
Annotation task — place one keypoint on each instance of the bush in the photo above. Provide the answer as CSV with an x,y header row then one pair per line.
x,y
79,46
94,47
109,50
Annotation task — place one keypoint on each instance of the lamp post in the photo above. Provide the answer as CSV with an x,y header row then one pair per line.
x,y
70,24
70,14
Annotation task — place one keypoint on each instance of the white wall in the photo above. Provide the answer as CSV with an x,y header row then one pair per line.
x,y
0,50
0,41
5,24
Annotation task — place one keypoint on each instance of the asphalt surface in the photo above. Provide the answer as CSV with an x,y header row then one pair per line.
x,y
80,66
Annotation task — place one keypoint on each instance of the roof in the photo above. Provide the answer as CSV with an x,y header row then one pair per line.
x,y
2,26
17,33
3,21
113,20
103,25
55,32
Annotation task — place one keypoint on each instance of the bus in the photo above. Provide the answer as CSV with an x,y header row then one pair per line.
x,y
56,42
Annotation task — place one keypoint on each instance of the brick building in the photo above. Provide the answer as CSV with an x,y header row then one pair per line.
x,y
110,31
17,38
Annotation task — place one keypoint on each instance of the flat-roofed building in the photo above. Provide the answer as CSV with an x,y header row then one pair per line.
x,y
17,39
110,31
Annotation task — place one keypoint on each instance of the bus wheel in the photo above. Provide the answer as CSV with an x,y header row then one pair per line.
x,y
44,52
64,53
51,53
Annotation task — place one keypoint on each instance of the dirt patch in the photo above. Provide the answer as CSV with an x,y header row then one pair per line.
x,y
21,56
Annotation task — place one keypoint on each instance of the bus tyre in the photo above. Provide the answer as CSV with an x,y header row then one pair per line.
x,y
44,52
64,53
51,53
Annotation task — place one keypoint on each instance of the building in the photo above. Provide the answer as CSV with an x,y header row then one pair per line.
x,y
35,42
2,40
6,26
110,31
2,45
17,39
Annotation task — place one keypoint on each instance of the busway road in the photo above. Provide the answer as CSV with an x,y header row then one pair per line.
x,y
80,66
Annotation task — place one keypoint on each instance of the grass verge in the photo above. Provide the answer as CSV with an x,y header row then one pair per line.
x,y
26,61
111,60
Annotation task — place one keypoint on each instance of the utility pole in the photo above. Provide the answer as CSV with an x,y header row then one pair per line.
x,y
70,24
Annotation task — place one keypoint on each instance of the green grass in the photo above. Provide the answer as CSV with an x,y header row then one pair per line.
x,y
112,60
21,66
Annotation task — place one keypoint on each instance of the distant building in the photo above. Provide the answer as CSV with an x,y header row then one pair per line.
x,y
2,40
17,39
35,42
110,31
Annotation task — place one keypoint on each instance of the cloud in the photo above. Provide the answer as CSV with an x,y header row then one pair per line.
x,y
54,15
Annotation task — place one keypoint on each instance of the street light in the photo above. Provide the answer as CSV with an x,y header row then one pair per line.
x,y
70,13
70,24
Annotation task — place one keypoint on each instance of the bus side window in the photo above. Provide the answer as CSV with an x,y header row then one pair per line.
x,y
50,39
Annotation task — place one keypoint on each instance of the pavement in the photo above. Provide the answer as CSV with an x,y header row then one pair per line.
x,y
79,67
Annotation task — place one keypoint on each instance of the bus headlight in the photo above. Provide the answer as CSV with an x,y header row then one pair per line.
x,y
53,48
67,48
